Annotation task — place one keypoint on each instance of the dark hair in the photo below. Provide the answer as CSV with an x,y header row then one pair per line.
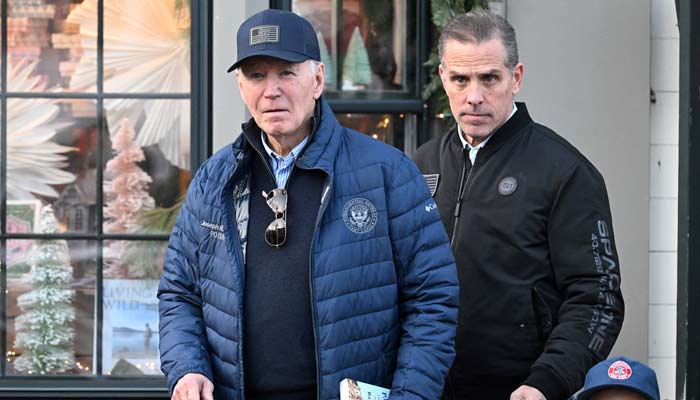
x,y
481,26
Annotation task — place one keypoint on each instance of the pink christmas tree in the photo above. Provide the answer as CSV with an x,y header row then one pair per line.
x,y
126,194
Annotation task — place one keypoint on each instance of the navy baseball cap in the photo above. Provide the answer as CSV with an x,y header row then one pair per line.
x,y
279,34
621,373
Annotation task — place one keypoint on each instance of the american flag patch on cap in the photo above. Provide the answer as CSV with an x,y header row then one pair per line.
x,y
264,34
432,181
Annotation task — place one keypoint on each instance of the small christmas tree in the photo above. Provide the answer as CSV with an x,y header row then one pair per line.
x,y
44,331
126,193
327,61
126,187
356,69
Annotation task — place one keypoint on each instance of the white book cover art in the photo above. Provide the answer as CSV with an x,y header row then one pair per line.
x,y
351,389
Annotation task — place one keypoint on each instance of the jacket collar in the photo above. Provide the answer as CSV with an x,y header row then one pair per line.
x,y
325,142
513,127
321,149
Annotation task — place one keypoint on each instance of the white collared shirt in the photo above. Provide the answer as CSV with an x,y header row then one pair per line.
x,y
473,150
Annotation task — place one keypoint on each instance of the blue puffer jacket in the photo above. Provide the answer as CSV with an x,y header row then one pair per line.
x,y
383,285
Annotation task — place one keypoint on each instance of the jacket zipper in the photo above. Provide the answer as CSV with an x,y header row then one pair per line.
x,y
231,211
463,187
325,195
237,243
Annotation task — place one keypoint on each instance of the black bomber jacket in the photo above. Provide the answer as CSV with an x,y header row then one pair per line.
x,y
532,234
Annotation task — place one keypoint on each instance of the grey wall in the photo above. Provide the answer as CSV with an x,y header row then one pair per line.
x,y
587,74
228,110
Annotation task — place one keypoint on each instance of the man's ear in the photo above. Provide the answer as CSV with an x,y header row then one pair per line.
x,y
238,74
517,78
319,80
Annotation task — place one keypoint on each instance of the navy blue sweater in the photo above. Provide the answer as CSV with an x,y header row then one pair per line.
x,y
278,346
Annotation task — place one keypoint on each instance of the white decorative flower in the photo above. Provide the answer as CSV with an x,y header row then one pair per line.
x,y
34,162
147,50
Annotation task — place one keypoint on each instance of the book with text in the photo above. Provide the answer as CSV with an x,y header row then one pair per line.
x,y
130,327
351,389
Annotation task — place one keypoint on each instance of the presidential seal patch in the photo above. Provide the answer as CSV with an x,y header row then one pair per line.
x,y
620,370
360,215
507,186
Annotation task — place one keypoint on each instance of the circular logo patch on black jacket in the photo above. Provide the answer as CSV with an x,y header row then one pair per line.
x,y
507,186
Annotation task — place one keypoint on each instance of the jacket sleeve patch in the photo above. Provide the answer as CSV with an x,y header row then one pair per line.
x,y
432,181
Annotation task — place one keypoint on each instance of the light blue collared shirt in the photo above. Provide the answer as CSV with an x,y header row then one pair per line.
x,y
282,166
473,150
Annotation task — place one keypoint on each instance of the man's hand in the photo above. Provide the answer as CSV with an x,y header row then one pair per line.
x,y
193,387
525,392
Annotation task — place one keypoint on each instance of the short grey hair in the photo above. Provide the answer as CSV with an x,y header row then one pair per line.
x,y
478,27
314,66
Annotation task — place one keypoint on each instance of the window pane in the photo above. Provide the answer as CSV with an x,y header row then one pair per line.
x,y
148,172
51,185
41,35
51,160
50,306
389,128
147,46
125,259
367,46
319,13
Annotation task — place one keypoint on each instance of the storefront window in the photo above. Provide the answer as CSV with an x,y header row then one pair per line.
x,y
51,159
96,157
373,75
389,128
46,48
149,172
50,312
368,47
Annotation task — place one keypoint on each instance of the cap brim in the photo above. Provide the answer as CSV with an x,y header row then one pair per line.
x,y
281,54
586,394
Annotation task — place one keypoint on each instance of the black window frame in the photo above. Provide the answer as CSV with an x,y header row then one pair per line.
x,y
411,103
100,385
688,307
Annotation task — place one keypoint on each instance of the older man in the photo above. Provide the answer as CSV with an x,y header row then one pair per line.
x,y
530,227
305,252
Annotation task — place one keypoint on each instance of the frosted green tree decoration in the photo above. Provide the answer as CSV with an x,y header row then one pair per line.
x,y
327,61
44,330
356,70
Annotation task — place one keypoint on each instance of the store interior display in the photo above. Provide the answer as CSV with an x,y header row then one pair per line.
x,y
44,330
73,140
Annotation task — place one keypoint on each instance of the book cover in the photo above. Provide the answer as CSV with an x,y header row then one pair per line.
x,y
130,327
351,389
